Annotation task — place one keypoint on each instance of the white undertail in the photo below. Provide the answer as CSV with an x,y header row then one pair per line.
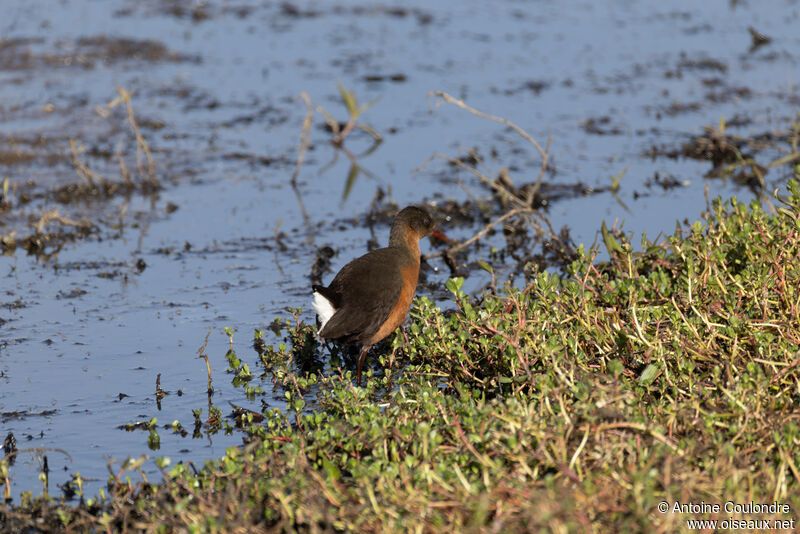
x,y
324,309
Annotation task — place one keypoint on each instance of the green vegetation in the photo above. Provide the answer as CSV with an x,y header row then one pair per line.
x,y
579,402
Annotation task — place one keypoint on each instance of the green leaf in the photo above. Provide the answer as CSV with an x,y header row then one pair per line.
x,y
375,135
453,285
485,266
611,243
365,107
351,179
650,373
349,99
615,367
331,468
616,179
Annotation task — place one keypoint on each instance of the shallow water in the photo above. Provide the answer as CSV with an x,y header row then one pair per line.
x,y
216,90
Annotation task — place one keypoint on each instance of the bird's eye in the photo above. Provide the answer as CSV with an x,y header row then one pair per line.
x,y
427,221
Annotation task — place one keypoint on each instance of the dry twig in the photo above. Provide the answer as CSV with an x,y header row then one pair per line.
x,y
53,215
141,145
452,100
521,206
89,176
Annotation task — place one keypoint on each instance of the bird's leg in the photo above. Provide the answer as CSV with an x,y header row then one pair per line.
x,y
361,357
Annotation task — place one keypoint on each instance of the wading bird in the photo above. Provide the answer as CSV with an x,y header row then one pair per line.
x,y
370,297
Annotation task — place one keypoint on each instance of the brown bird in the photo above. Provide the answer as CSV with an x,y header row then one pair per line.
x,y
370,297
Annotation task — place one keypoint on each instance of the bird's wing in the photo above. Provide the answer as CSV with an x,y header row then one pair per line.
x,y
367,289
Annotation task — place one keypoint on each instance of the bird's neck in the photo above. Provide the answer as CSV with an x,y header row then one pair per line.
x,y
408,242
